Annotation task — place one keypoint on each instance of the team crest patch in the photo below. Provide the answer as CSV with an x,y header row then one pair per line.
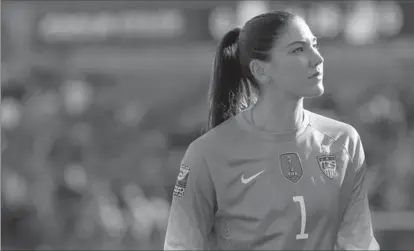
x,y
291,166
328,165
181,183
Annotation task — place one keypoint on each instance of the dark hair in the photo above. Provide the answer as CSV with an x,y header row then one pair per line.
x,y
231,87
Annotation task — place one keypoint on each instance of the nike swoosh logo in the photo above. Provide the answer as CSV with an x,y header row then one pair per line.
x,y
246,181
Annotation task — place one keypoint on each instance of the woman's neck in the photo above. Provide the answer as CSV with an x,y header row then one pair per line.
x,y
280,114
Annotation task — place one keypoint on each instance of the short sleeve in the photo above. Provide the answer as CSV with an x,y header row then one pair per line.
x,y
193,204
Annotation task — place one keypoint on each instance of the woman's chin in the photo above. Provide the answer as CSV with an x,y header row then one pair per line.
x,y
315,91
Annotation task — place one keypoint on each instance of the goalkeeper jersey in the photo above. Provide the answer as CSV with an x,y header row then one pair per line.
x,y
243,188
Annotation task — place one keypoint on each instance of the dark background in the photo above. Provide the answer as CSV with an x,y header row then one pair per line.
x,y
100,99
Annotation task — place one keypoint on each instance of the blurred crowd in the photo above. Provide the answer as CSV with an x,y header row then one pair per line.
x,y
76,173
85,168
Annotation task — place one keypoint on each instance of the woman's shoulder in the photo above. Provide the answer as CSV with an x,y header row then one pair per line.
x,y
340,133
332,127
218,137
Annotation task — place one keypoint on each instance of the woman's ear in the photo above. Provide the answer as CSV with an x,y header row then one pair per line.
x,y
259,71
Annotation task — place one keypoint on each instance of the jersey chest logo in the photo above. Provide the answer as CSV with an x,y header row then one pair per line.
x,y
291,166
328,165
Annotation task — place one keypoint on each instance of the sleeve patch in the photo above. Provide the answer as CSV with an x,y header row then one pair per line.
x,y
181,183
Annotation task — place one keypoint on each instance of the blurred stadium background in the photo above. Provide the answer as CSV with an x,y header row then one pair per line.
x,y
100,100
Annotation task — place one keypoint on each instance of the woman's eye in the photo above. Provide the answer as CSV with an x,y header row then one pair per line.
x,y
300,49
316,46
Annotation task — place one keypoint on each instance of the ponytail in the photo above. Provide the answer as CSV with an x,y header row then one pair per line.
x,y
226,81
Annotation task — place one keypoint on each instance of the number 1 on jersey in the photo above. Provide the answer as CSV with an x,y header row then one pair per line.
x,y
301,201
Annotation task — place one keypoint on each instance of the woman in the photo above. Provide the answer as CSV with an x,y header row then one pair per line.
x,y
270,174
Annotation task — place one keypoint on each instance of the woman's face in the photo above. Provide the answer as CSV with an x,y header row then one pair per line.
x,y
296,66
